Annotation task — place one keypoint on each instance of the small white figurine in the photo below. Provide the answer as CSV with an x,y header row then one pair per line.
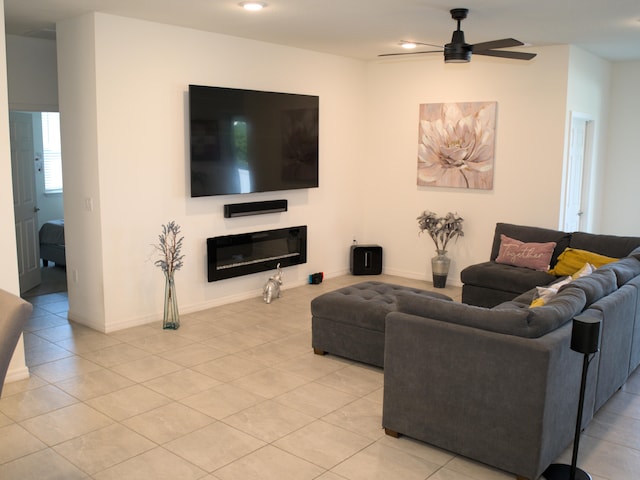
x,y
272,287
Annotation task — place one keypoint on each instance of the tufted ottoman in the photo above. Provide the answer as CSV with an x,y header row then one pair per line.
x,y
350,321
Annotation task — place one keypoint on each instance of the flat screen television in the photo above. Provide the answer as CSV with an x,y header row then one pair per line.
x,y
246,141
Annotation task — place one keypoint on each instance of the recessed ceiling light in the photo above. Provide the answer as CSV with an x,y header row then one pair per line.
x,y
253,6
408,45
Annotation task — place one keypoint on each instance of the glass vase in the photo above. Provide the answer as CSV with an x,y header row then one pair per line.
x,y
171,319
440,268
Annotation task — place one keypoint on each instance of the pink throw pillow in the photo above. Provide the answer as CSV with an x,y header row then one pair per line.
x,y
530,255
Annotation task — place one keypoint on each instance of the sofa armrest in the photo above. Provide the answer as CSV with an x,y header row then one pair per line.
x,y
506,401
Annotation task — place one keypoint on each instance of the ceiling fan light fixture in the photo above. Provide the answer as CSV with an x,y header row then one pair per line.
x,y
408,45
457,53
253,6
457,59
457,56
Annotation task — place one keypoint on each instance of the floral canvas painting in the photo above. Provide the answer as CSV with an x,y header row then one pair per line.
x,y
456,145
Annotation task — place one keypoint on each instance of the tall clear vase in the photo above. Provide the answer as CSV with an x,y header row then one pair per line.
x,y
171,320
440,268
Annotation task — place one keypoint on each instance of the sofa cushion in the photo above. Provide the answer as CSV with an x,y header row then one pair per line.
x,y
561,308
508,318
515,303
523,300
609,245
533,255
572,260
624,269
509,321
545,294
530,234
595,286
507,278
635,253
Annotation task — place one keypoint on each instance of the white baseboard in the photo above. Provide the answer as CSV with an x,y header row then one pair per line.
x,y
15,374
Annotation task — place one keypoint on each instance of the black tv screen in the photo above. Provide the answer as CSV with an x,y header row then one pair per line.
x,y
245,141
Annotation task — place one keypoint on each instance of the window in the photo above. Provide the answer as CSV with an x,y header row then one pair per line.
x,y
51,152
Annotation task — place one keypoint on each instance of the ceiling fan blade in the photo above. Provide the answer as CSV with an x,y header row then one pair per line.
x,y
408,53
503,43
506,54
425,44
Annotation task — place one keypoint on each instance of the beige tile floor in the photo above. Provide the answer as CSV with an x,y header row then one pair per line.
x,y
235,393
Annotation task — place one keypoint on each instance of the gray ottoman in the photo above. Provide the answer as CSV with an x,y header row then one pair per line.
x,y
350,321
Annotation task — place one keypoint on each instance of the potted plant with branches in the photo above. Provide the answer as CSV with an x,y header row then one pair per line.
x,y
441,230
171,260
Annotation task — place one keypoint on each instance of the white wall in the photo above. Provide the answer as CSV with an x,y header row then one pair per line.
x,y
588,90
80,170
123,100
9,270
33,84
123,90
622,195
32,73
531,99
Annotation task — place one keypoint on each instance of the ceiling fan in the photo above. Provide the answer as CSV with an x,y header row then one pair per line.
x,y
458,51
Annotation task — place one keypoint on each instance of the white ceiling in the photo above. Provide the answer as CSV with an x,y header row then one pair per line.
x,y
365,28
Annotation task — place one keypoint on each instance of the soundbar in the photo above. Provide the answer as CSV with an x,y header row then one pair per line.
x,y
254,208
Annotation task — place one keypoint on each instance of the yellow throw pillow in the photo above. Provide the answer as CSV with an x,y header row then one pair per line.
x,y
538,302
572,260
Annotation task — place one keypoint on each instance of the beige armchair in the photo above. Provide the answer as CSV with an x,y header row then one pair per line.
x,y
14,313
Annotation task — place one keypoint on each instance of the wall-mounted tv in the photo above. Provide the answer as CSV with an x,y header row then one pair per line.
x,y
245,141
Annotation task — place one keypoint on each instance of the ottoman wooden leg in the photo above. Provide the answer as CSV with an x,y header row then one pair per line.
x,y
318,351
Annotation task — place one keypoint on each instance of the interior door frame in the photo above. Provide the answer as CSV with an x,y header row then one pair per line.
x,y
25,204
586,174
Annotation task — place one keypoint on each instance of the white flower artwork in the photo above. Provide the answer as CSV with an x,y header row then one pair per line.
x,y
456,145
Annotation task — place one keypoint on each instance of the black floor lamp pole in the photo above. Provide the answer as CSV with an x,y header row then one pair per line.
x,y
576,438
585,338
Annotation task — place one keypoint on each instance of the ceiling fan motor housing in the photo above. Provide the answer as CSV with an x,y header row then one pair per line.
x,y
458,51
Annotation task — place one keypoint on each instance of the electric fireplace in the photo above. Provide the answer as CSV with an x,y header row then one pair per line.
x,y
235,255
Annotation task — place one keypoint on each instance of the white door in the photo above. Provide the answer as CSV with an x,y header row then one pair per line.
x,y
24,199
579,149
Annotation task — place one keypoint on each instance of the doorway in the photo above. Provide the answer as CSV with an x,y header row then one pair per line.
x,y
38,198
576,215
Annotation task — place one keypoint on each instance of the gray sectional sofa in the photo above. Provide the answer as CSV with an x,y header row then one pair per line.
x,y
490,283
500,385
